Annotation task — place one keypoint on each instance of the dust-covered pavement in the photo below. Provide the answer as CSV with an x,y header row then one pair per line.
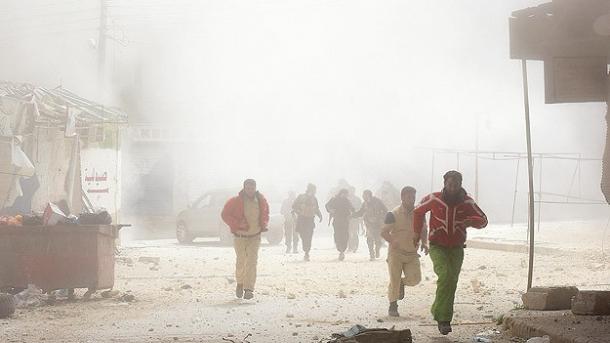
x,y
189,296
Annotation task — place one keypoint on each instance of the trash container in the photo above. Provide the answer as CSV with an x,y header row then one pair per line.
x,y
58,257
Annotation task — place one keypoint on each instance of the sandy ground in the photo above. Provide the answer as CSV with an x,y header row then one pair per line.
x,y
189,295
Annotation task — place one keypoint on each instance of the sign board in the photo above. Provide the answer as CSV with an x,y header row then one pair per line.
x,y
528,36
101,179
575,79
561,28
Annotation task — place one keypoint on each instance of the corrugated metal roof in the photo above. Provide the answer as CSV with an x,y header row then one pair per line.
x,y
53,104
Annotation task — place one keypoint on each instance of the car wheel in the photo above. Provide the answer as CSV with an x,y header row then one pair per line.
x,y
274,237
182,234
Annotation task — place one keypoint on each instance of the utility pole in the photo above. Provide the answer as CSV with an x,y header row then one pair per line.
x,y
530,172
101,48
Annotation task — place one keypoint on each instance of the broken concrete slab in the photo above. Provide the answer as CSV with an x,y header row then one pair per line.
x,y
560,326
591,303
549,298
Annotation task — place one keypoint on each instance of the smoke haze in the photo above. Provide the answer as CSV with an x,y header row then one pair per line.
x,y
290,92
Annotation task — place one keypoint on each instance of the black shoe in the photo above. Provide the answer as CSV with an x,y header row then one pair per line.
x,y
239,291
393,310
401,292
248,294
444,328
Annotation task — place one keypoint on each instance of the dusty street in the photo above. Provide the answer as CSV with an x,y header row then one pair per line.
x,y
141,139
189,295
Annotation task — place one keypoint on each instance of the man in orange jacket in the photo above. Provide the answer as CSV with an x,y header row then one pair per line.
x,y
247,215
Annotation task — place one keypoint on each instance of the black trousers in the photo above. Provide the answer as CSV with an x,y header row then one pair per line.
x,y
341,235
305,226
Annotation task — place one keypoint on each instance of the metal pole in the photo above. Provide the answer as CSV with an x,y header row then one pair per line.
x,y
72,166
530,173
117,174
72,173
512,221
539,192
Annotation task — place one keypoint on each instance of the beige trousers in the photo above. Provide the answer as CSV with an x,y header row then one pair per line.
x,y
399,264
246,251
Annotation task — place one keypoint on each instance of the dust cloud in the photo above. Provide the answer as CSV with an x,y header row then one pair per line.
x,y
290,92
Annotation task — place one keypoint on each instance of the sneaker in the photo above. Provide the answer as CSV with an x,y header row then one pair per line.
x,y
444,328
248,294
341,256
306,257
401,292
393,310
239,291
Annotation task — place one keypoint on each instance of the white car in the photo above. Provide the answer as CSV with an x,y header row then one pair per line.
x,y
202,219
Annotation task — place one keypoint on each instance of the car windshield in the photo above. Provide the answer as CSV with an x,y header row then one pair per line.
x,y
203,201
220,199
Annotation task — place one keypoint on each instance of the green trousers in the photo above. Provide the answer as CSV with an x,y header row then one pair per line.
x,y
447,265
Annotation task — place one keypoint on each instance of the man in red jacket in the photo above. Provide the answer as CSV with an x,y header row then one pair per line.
x,y
247,215
451,212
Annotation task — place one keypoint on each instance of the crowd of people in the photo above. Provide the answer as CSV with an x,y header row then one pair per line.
x,y
402,226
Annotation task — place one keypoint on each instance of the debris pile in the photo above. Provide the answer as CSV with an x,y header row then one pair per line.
x,y
30,297
360,334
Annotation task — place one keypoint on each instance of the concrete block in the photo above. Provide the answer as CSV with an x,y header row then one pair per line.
x,y
591,303
549,298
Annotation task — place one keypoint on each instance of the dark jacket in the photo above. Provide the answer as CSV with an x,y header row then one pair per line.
x,y
373,212
340,208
